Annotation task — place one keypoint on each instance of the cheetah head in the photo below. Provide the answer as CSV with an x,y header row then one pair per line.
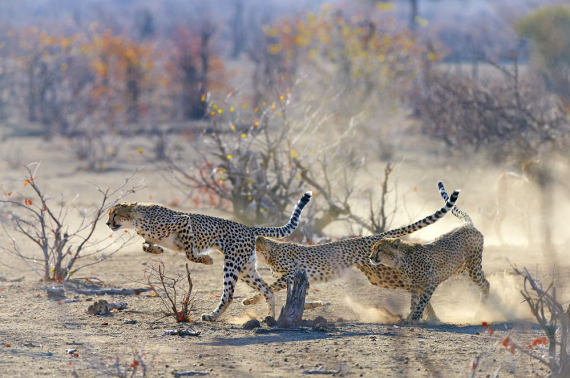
x,y
121,216
262,249
386,252
266,250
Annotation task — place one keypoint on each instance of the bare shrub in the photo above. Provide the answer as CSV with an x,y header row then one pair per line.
x,y
509,114
552,318
137,368
49,227
95,151
176,303
550,350
253,166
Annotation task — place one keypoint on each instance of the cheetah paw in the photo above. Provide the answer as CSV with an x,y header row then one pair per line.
x,y
153,249
207,260
251,301
316,304
208,318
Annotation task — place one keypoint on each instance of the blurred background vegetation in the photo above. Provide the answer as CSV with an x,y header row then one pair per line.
x,y
245,104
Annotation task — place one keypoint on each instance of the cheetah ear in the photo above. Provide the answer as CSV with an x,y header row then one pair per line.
x,y
376,247
260,242
396,244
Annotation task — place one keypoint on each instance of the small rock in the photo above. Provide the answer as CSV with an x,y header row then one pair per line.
x,y
71,300
270,321
130,321
251,324
70,351
100,307
320,320
118,305
55,293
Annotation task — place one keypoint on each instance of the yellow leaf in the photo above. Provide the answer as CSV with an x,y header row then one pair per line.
x,y
233,127
140,150
243,135
385,6
229,157
215,106
294,154
231,109
220,111
244,106
431,56
274,49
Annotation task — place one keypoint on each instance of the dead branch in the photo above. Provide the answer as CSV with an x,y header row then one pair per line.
x,y
189,373
322,371
168,292
112,291
292,310
553,320
36,219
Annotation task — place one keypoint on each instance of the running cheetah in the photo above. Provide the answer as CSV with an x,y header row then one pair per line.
x,y
329,261
426,266
191,233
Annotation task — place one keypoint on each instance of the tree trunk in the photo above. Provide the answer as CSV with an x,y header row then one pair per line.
x,y
292,310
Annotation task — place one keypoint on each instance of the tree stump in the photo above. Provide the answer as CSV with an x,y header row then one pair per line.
x,y
292,310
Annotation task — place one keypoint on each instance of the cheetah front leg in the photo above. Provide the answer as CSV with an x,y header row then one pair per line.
x,y
421,302
279,284
251,277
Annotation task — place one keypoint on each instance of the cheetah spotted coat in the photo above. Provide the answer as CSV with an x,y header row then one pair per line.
x,y
425,267
330,261
195,233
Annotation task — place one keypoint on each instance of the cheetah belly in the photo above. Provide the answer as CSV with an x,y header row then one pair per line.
x,y
171,242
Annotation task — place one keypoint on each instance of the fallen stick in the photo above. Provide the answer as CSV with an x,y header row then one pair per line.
x,y
4,279
179,332
112,291
279,329
189,373
320,370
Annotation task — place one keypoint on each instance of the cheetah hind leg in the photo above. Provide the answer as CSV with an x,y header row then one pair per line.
x,y
151,248
430,315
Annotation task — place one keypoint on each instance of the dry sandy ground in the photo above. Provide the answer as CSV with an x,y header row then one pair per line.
x,y
360,340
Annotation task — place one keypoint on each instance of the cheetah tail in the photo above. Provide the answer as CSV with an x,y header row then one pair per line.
x,y
430,219
455,211
281,232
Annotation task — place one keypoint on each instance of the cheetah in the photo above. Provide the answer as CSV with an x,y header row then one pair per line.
x,y
329,261
426,266
192,233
